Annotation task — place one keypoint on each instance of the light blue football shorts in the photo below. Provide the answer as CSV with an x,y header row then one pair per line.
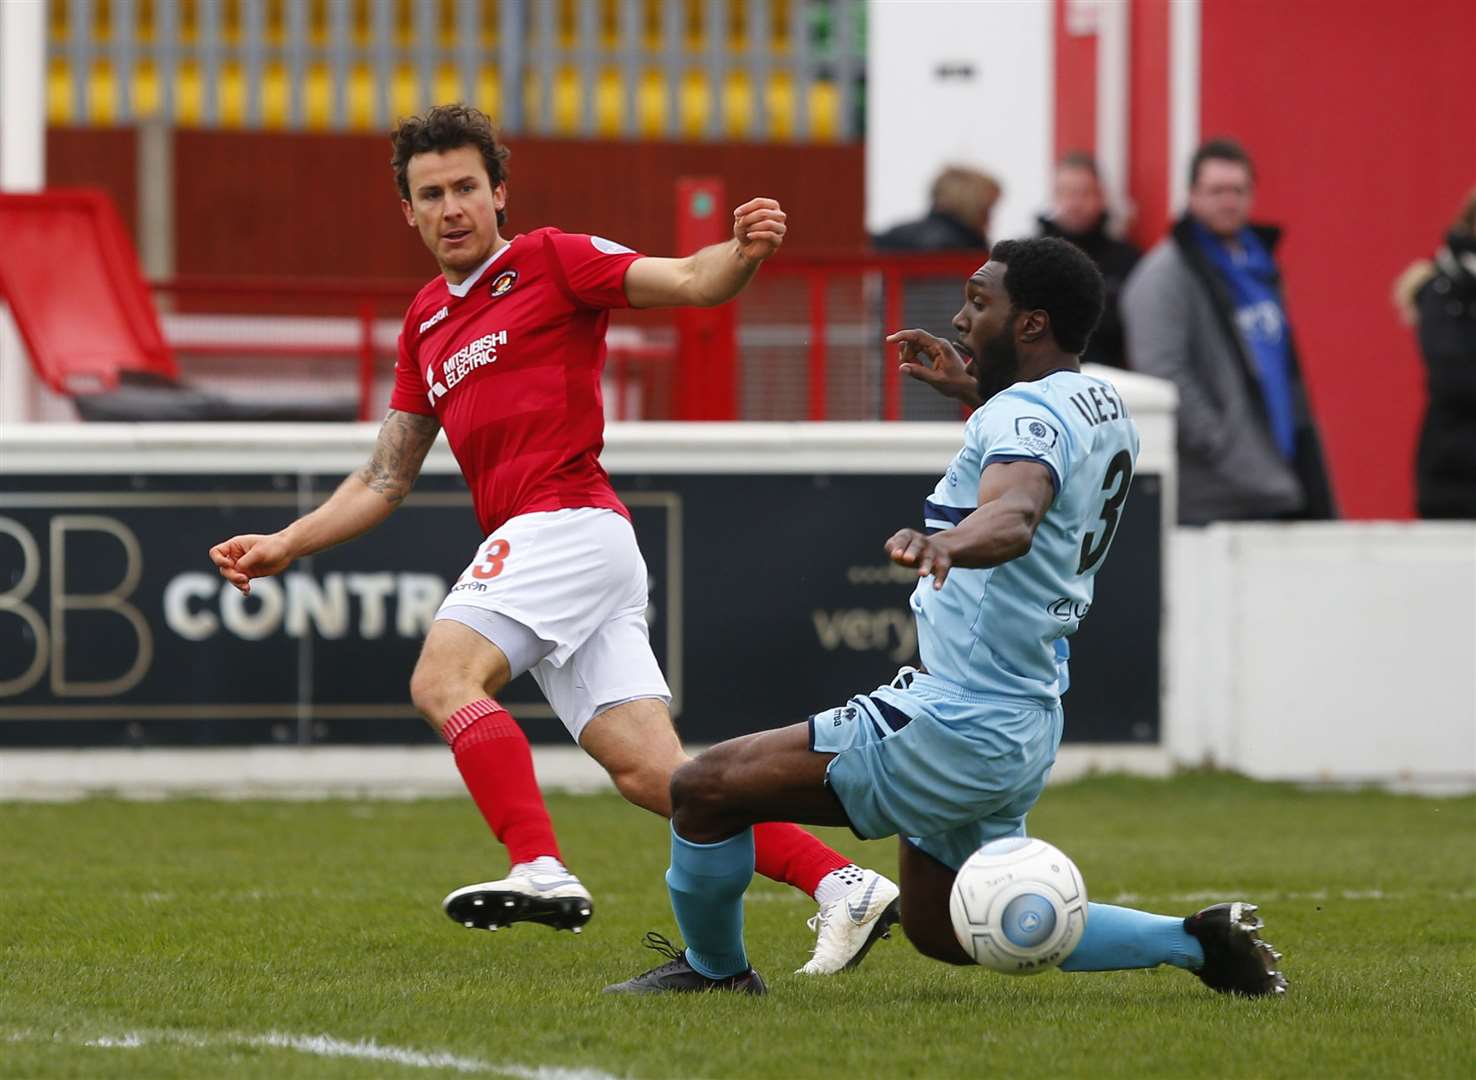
x,y
946,768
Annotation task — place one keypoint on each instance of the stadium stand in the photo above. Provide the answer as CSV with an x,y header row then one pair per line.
x,y
752,69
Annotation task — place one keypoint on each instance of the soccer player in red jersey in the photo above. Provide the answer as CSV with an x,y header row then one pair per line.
x,y
503,351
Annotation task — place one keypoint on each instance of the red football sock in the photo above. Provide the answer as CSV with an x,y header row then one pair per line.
x,y
497,764
787,853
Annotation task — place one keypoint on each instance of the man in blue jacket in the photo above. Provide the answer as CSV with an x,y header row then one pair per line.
x,y
1205,309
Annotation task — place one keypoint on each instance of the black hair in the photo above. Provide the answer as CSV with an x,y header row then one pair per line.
x,y
1079,159
448,127
1051,275
1219,150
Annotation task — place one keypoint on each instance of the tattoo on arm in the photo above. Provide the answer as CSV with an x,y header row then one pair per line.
x,y
404,440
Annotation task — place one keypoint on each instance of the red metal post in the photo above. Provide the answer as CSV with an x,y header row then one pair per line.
x,y
366,359
706,376
892,321
819,408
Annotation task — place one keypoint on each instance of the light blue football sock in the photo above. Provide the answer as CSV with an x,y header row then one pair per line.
x,y
1117,938
707,882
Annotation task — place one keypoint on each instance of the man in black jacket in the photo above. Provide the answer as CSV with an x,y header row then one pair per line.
x,y
957,219
960,201
1079,215
1205,309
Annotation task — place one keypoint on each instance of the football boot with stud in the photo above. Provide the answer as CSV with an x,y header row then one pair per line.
x,y
1236,960
676,976
527,894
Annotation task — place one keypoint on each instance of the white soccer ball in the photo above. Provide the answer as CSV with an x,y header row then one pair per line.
x,y
1018,906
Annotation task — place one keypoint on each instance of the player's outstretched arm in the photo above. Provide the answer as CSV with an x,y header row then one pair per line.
x,y
1013,497
715,274
934,361
361,502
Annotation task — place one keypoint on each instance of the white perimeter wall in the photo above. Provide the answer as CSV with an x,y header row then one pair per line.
x,y
1000,119
1331,651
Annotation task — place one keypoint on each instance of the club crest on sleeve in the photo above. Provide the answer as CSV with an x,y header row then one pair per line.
x,y
503,282
610,247
1035,434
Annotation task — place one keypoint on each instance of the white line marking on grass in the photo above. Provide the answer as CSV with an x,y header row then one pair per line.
x,y
369,1050
328,1046
127,1041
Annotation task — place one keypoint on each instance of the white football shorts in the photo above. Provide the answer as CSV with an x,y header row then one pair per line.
x,y
563,593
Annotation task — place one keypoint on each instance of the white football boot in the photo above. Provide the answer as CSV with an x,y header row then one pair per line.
x,y
847,927
530,893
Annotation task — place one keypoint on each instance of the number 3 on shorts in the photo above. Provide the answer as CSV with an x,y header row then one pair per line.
x,y
492,560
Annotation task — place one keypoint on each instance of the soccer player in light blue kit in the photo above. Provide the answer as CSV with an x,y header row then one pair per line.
x,y
954,754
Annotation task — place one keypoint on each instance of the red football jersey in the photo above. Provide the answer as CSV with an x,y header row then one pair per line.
x,y
509,362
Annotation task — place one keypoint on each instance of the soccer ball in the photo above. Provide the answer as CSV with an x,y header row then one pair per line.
x,y
1018,906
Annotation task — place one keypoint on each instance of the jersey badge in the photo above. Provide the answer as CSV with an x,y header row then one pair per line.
x,y
1035,434
503,283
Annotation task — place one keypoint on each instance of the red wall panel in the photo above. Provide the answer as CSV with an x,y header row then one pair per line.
x,y
288,205
1352,112
325,205
294,205
96,157
1076,88
1148,119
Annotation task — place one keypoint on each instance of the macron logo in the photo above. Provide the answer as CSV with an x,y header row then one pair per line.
x,y
437,317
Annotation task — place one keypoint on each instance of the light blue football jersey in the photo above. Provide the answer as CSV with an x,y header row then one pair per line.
x,y
1002,631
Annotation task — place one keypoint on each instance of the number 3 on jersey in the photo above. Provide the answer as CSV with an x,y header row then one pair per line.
x,y
492,559
1119,476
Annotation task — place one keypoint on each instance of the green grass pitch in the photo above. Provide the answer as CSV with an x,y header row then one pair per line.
x,y
273,939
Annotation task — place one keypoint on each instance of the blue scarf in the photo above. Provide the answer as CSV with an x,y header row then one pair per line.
x,y
1250,275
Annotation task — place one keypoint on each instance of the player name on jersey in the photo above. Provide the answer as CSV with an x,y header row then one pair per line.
x,y
1098,404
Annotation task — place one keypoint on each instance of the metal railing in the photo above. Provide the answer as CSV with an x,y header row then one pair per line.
x,y
808,336
755,69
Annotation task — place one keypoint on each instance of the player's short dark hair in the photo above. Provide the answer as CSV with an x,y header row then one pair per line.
x,y
1051,275
1219,150
1079,159
448,127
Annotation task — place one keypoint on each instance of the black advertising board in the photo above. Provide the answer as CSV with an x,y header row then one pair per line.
x,y
770,598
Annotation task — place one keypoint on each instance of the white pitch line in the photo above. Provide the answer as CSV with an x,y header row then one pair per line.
x,y
328,1046
369,1050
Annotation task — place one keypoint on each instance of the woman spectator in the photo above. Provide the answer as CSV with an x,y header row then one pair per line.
x,y
1439,299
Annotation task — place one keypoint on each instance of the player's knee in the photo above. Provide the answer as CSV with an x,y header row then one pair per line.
x,y
933,941
684,785
645,785
696,790
435,695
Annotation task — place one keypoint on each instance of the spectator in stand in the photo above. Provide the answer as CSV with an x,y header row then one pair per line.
x,y
1079,215
1205,309
1439,299
958,219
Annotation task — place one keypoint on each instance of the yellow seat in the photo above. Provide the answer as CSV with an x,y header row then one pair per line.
x,y
739,103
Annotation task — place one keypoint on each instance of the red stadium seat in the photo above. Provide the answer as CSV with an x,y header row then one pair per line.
x,y
72,280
